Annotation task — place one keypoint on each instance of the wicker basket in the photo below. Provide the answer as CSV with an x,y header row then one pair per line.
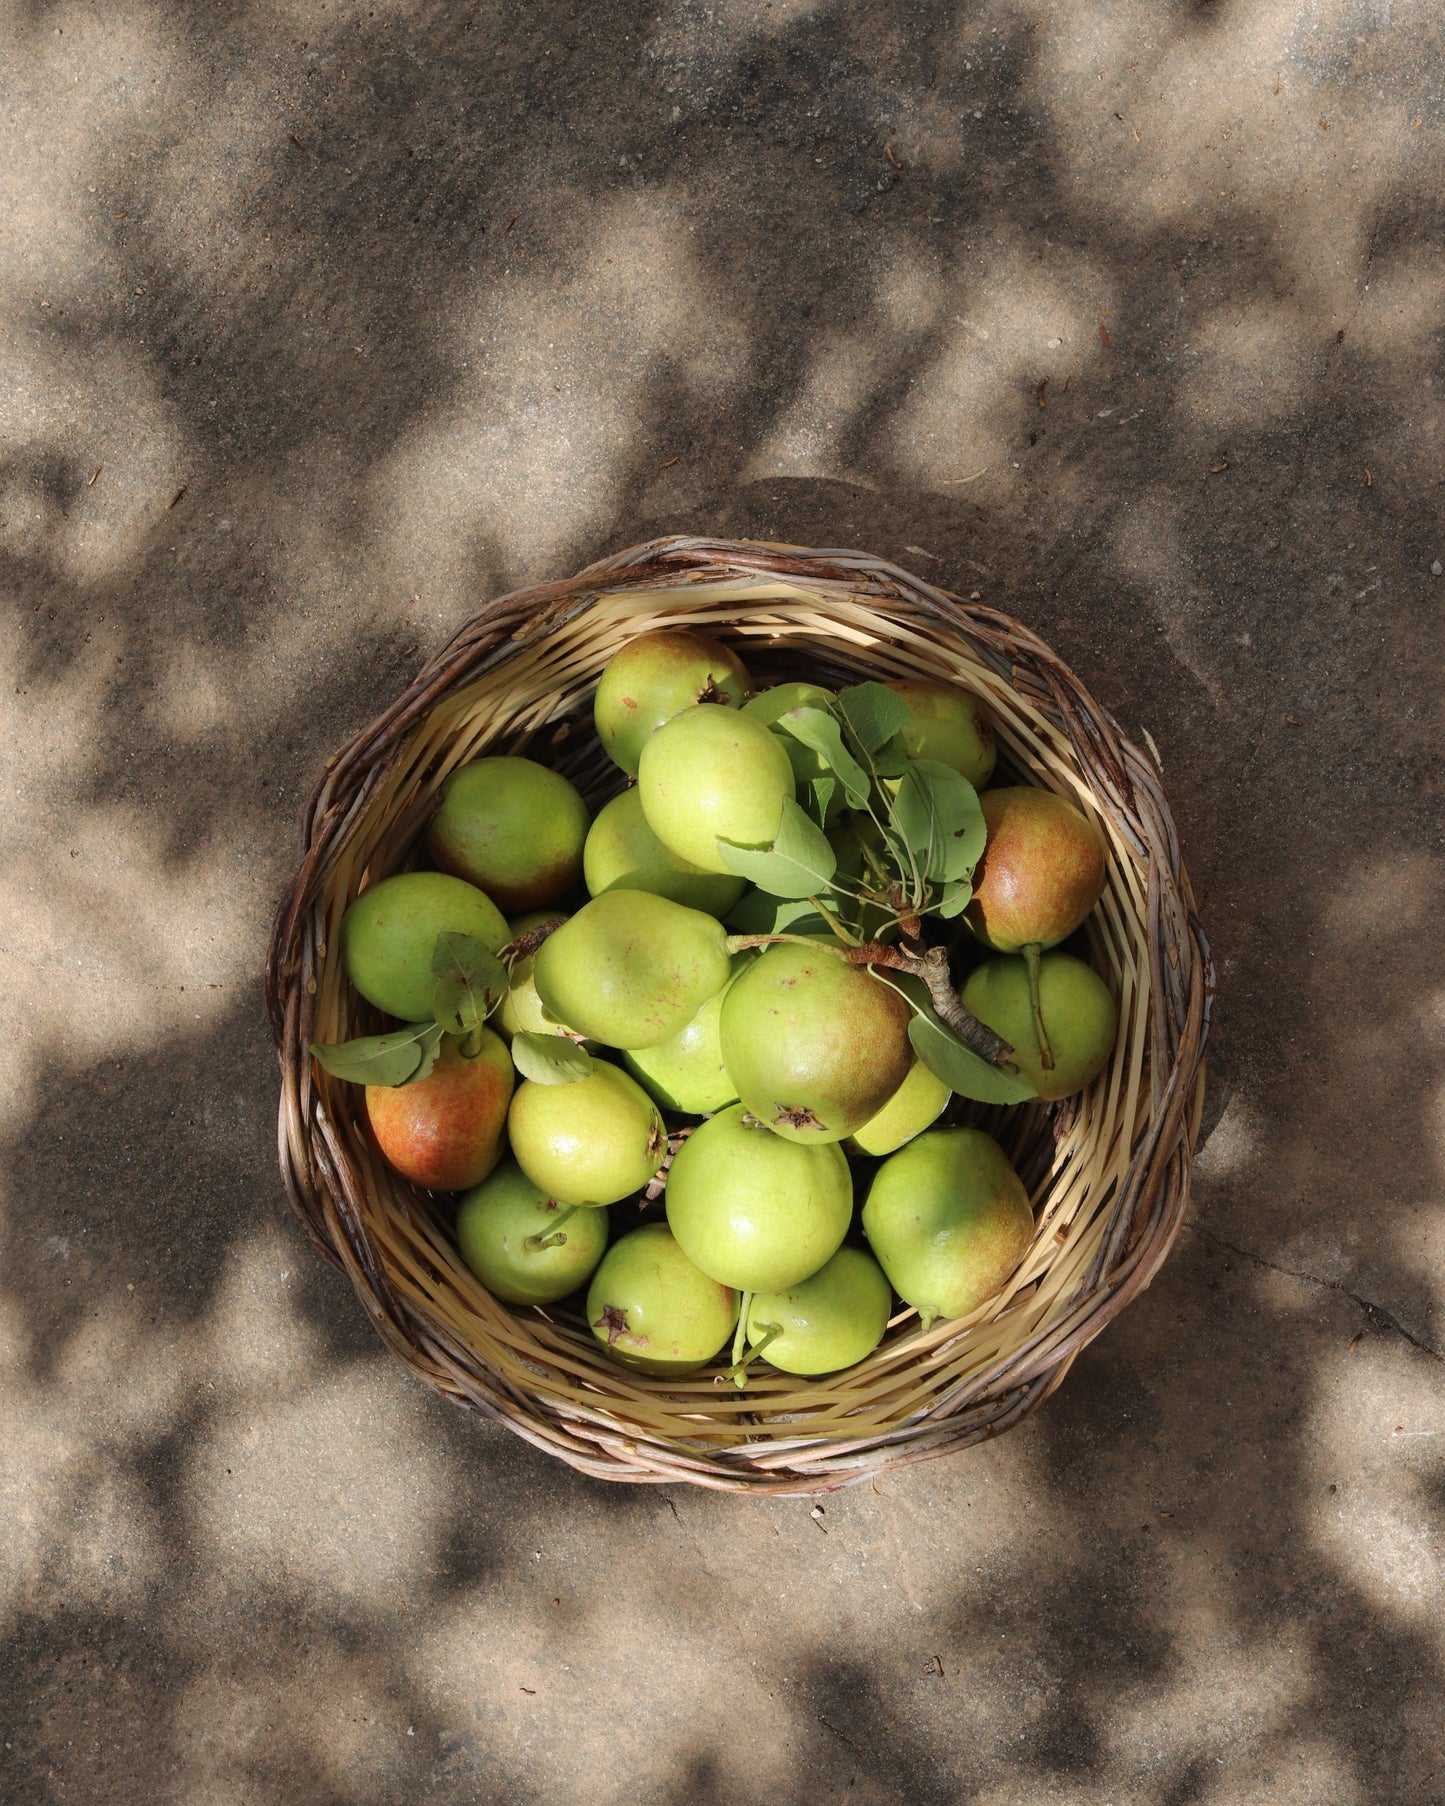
x,y
1108,1171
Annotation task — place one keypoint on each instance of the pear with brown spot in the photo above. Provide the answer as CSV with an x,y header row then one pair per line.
x,y
652,1309
815,1046
655,677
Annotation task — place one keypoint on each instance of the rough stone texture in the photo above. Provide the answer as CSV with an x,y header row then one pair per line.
x,y
319,322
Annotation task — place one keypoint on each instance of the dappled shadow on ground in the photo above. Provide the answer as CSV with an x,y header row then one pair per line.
x,y
323,322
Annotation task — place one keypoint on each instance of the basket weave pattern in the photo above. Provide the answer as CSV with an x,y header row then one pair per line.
x,y
1108,1171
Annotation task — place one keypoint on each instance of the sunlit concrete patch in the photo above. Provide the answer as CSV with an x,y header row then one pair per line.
x,y
1399,323
825,428
256,1340
78,1528
328,1490
1295,1769
1245,366
1221,1704
81,81
127,943
1379,1422
307,1719
553,406
1154,551
807,438
89,453
195,698
512,1692
1232,124
1234,1144
109,946
964,407
1386,899
712,1641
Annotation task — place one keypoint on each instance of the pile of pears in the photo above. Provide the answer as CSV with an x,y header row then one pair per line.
x,y
710,1016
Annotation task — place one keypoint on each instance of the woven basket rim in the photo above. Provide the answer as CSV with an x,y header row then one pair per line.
x,y
920,1396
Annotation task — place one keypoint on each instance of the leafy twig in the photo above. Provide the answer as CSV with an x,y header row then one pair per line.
x,y
932,968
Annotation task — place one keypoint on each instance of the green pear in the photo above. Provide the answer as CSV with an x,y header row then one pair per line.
x,y
654,677
949,725
713,774
512,827
594,1141
623,853
520,1011
686,1073
523,1245
917,1102
949,1221
815,1046
388,936
1079,1018
826,1322
1043,869
630,969
652,1309
755,1211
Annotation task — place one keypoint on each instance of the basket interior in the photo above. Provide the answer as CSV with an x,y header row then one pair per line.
x,y
1073,1156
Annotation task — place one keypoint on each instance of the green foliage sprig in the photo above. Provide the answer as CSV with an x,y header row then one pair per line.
x,y
917,830
468,982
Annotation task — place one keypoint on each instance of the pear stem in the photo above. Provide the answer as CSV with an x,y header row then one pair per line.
x,y
740,1338
845,935
739,943
738,1372
553,1238
927,1317
1031,961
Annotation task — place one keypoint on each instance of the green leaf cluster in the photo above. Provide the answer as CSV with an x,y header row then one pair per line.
x,y
916,826
468,982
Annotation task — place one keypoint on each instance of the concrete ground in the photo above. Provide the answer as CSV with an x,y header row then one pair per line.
x,y
321,322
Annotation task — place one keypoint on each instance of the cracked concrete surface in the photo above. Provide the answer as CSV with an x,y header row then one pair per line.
x,y
1378,1316
320,321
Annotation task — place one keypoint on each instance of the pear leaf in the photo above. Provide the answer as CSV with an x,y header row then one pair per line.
x,y
398,1058
550,1059
891,759
937,812
820,792
470,981
799,863
874,714
817,730
758,913
955,899
958,1066
946,1057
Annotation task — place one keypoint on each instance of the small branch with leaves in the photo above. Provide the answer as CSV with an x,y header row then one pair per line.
x,y
469,980
882,844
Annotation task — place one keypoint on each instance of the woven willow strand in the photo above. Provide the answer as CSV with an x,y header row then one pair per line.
x,y
1108,1172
